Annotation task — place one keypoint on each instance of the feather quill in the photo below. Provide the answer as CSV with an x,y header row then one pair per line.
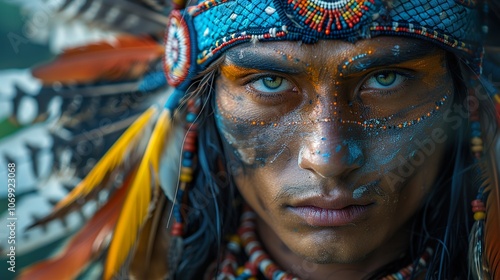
x,y
476,250
138,202
171,161
85,245
150,260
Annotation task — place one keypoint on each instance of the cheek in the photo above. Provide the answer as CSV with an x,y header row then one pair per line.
x,y
254,146
399,155
255,143
259,156
412,166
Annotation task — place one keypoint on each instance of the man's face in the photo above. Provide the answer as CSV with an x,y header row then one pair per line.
x,y
335,145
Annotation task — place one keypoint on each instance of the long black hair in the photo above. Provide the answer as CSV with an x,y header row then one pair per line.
x,y
212,208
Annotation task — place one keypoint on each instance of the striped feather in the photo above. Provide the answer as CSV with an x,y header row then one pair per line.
x,y
115,156
128,16
138,203
127,145
125,16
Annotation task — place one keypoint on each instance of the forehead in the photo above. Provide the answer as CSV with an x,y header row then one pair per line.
x,y
334,51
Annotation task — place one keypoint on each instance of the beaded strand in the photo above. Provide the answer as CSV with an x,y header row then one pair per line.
x,y
406,272
187,163
478,207
259,260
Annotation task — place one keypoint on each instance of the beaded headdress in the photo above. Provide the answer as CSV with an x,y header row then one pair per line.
x,y
199,34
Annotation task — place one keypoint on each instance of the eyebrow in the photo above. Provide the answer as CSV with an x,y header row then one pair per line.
x,y
386,57
265,62
379,58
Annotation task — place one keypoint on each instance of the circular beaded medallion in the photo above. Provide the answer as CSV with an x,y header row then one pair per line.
x,y
177,59
329,17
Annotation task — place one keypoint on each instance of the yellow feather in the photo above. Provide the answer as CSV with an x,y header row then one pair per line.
x,y
139,198
113,157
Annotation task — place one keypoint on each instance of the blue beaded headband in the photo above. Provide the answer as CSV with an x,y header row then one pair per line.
x,y
199,34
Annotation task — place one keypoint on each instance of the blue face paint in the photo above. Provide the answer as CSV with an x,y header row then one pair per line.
x,y
338,148
326,156
357,193
355,153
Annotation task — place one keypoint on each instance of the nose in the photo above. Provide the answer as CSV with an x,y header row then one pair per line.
x,y
326,154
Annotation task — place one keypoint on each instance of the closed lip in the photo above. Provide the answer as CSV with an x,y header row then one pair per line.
x,y
325,211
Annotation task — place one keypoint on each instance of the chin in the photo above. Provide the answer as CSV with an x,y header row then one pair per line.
x,y
327,251
328,257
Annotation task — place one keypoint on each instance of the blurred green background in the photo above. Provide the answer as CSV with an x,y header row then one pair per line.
x,y
16,51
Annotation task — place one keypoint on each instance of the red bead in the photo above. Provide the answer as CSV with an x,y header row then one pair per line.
x,y
477,203
478,209
177,229
270,269
260,258
255,249
253,268
191,127
190,103
189,140
243,230
189,147
192,134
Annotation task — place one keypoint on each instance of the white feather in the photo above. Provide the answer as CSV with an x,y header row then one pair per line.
x,y
170,161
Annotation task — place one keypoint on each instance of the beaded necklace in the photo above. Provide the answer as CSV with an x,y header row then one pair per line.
x,y
260,261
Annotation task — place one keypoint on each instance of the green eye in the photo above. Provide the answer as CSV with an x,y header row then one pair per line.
x,y
386,79
272,82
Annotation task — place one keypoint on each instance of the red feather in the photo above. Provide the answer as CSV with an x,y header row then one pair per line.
x,y
127,57
84,246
